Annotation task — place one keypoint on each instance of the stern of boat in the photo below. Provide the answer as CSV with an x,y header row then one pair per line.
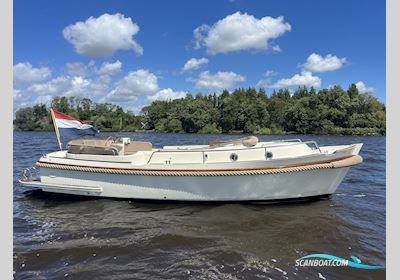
x,y
30,178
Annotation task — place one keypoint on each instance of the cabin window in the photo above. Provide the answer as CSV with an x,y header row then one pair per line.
x,y
233,157
268,155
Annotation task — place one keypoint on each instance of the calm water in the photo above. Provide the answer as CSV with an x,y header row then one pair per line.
x,y
68,237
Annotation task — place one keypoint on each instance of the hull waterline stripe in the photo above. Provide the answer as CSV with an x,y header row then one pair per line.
x,y
346,162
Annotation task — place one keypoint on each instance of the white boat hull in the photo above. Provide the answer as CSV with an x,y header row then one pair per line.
x,y
296,171
301,184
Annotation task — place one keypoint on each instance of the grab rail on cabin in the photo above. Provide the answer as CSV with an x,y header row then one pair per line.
x,y
312,144
291,140
308,143
316,146
295,140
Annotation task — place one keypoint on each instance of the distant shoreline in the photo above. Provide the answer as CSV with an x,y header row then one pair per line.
x,y
330,111
222,133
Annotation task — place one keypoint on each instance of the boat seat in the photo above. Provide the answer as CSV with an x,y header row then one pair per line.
x,y
93,147
91,142
136,146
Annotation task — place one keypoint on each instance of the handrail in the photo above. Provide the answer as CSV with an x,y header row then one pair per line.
x,y
227,150
315,144
291,140
29,174
294,143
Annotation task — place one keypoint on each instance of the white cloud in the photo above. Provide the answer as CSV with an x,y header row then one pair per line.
x,y
79,80
72,86
99,86
62,85
303,79
167,94
135,108
24,73
318,63
267,79
276,48
194,63
102,36
362,88
137,83
270,73
199,35
76,69
19,96
82,70
43,99
19,105
218,81
240,32
140,83
22,99
108,68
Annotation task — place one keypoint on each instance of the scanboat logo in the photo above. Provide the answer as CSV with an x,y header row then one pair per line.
x,y
330,260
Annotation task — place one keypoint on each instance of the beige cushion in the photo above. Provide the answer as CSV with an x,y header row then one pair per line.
x,y
90,142
93,147
249,141
136,146
94,150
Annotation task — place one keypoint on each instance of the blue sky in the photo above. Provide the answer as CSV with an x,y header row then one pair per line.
x,y
134,52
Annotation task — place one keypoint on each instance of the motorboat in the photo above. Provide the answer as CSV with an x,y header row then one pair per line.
x,y
244,169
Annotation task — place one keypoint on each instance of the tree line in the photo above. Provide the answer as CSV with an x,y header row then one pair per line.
x,y
329,111
104,116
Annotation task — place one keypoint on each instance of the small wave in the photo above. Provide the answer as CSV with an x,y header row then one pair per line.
x,y
374,160
280,270
353,180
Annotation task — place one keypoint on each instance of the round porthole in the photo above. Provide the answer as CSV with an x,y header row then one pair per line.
x,y
233,157
268,155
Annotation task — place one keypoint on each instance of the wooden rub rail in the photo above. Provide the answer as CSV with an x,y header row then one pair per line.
x,y
352,160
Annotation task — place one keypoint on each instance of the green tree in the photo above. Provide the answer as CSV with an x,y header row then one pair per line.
x,y
352,91
331,110
173,125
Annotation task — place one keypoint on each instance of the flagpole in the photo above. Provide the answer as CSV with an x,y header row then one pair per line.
x,y
56,128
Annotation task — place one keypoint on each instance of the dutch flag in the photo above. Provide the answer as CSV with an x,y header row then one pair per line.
x,y
70,127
